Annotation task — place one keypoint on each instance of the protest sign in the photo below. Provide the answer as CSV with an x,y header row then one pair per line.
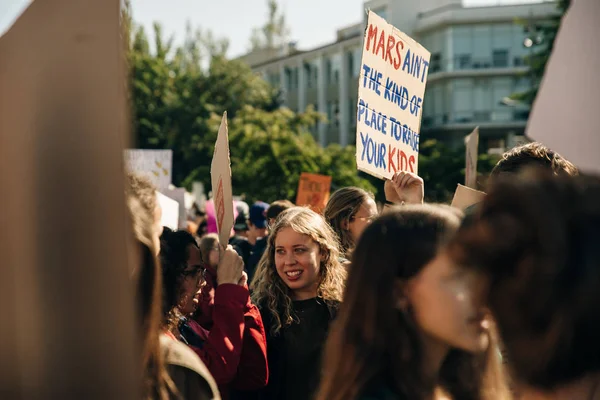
x,y
313,191
565,113
390,100
170,211
157,165
220,175
465,197
471,145
179,195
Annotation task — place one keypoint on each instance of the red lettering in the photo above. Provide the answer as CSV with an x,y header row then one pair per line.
x,y
398,61
388,50
411,164
403,162
391,153
381,45
371,34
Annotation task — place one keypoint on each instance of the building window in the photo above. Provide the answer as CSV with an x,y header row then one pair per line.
x,y
464,61
381,11
435,63
500,58
356,63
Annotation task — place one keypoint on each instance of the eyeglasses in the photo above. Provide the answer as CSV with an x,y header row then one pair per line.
x,y
369,219
198,271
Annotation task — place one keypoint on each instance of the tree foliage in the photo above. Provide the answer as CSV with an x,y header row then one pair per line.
x,y
177,104
179,93
273,34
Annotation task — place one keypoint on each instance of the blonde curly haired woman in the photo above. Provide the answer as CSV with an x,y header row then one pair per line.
x,y
298,287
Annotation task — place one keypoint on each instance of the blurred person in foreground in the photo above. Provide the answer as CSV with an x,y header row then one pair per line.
x,y
536,239
413,325
234,348
170,370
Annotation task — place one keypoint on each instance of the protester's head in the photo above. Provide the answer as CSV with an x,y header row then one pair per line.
x,y
182,272
404,297
300,262
536,239
533,155
148,279
209,250
240,225
349,211
276,208
144,191
257,222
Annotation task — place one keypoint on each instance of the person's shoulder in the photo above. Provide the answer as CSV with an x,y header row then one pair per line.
x,y
262,242
179,355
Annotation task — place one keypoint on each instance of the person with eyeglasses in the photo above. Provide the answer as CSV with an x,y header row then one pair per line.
x,y
234,348
349,211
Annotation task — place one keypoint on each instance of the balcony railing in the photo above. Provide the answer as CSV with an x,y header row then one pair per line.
x,y
470,117
500,59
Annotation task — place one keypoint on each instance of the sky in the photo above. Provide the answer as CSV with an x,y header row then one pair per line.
x,y
312,22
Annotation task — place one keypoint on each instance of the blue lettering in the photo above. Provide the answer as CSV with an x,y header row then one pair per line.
x,y
389,84
366,68
395,131
362,109
364,142
425,69
404,99
371,153
382,152
406,64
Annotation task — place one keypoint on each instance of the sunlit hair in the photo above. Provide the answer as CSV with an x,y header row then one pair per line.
x,y
533,155
271,293
339,212
146,274
206,244
372,343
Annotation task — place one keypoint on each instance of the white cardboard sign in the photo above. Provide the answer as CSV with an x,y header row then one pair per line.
x,y
157,165
565,113
220,174
391,87
471,144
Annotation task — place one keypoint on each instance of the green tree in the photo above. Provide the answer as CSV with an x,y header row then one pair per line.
x,y
177,104
273,34
442,168
540,40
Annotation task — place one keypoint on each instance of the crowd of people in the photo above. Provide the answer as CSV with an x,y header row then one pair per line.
x,y
418,301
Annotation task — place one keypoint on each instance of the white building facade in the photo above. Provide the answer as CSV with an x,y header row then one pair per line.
x,y
477,61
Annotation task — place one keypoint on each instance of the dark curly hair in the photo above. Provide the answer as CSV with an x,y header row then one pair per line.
x,y
174,258
536,237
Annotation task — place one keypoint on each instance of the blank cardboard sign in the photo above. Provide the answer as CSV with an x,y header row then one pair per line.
x,y
68,320
565,114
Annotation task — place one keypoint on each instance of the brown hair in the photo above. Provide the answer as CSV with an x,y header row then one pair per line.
x,y
533,154
206,244
271,293
277,207
339,211
536,238
373,344
156,382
